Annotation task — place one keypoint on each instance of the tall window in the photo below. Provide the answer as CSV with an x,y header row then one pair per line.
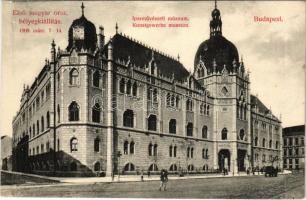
x,y
155,150
33,130
276,144
170,151
256,141
224,134
149,93
97,145
189,129
128,87
270,144
42,123
152,123
48,119
96,79
204,132
132,147
155,95
125,147
128,118
74,144
73,77
134,89
150,149
37,126
122,85
96,113
263,142
73,111
241,134
174,151
172,126
207,111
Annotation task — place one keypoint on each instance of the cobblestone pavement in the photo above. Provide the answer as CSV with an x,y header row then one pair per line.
x,y
283,186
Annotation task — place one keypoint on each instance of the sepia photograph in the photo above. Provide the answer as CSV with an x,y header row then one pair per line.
x,y
153,99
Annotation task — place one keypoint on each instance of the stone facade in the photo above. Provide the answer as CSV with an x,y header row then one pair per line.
x,y
126,107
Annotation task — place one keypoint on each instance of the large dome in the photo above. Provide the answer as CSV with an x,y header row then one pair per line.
x,y
217,48
82,34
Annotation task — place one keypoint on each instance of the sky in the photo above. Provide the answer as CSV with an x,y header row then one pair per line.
x,y
274,53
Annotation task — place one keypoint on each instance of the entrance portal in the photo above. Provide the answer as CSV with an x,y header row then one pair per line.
x,y
224,159
241,156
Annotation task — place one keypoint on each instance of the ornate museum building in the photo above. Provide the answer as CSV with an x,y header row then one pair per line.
x,y
119,105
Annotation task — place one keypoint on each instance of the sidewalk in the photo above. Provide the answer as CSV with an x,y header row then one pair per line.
x,y
135,178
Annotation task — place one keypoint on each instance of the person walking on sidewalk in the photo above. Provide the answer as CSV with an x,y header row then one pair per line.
x,y
163,180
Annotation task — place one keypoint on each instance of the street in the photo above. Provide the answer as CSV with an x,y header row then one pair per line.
x,y
283,186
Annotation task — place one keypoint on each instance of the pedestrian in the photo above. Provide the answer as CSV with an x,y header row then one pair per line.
x,y
141,175
163,180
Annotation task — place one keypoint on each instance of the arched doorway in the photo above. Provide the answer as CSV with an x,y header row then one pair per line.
x,y
224,159
241,158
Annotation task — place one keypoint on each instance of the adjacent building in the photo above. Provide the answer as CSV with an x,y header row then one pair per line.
x,y
294,147
120,105
6,152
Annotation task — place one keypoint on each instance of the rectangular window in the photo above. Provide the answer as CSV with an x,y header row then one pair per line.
x,y
296,141
302,141
296,163
290,141
290,163
297,151
285,141
290,152
285,163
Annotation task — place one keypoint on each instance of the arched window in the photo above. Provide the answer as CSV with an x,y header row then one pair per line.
x,y
189,129
204,132
174,151
73,144
172,126
224,134
134,89
125,147
37,127
128,87
149,93
73,166
190,168
97,166
203,153
48,119
33,130
97,145
168,99
129,167
188,152
241,134
42,123
191,152
155,95
132,147
270,144
170,151
122,85
96,79
276,145
153,167
96,113
128,118
58,114
152,123
256,141
172,100
155,150
263,142
150,149
173,168
73,77
73,111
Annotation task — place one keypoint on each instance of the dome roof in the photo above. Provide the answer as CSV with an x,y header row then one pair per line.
x,y
88,40
217,48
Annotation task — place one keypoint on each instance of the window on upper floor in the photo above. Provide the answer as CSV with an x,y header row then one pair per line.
x,y
48,119
172,126
97,144
152,122
134,89
276,145
132,147
263,142
270,144
58,114
96,113
296,141
96,77
241,134
125,147
290,141
302,141
129,87
285,141
204,132
37,127
74,77
189,105
73,111
122,86
73,144
190,129
256,141
224,134
128,118
42,123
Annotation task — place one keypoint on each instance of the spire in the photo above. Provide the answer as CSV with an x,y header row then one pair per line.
x,y
215,22
116,27
82,7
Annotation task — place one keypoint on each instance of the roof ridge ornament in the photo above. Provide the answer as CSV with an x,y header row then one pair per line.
x,y
82,7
